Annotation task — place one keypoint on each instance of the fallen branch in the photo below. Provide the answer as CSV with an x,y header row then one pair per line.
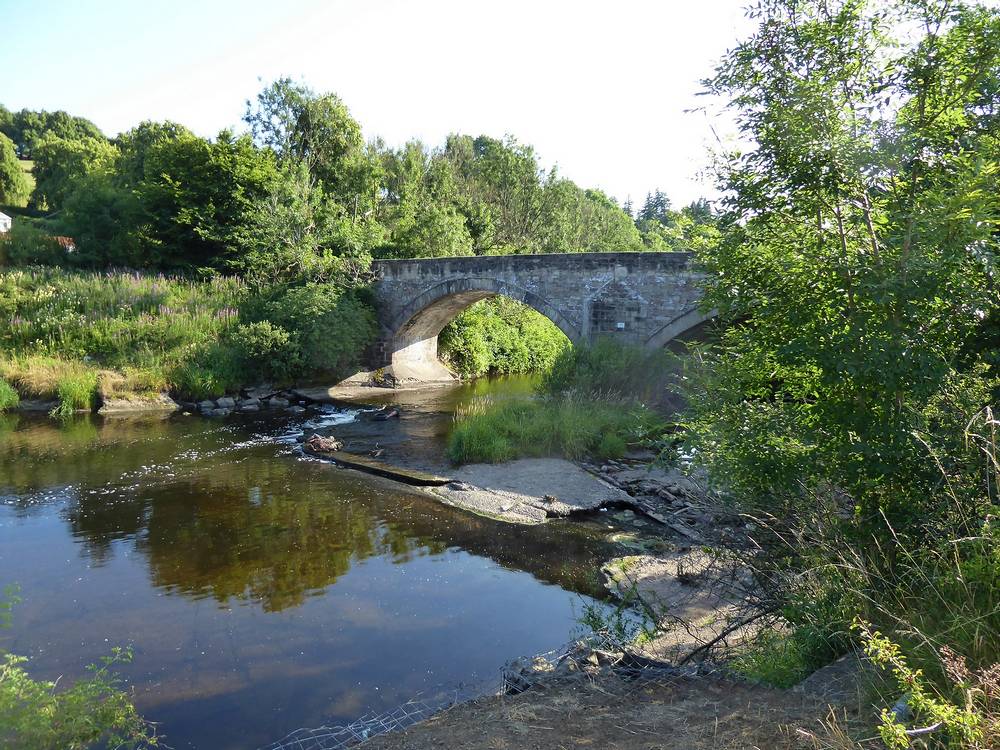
x,y
728,631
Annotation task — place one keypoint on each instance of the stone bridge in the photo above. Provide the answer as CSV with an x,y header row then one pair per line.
x,y
649,299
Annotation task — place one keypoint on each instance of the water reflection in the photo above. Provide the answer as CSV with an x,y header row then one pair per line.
x,y
329,593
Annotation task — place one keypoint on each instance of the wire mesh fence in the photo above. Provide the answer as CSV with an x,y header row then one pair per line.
x,y
594,655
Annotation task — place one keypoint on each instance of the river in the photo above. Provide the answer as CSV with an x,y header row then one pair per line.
x,y
263,591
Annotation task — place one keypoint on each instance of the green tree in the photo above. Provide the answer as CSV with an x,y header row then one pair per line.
x,y
318,130
105,222
14,186
27,126
576,220
860,251
200,198
135,144
59,162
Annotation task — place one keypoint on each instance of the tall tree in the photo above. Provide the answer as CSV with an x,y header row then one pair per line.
x,y
61,162
135,144
861,250
200,198
14,186
316,129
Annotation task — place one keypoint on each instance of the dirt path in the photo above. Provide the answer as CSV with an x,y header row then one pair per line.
x,y
608,713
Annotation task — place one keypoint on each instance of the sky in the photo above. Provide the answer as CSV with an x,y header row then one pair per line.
x,y
602,90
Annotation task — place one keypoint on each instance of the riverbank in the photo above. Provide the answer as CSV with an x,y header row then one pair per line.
x,y
679,600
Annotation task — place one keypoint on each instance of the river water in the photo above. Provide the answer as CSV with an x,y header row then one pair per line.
x,y
263,591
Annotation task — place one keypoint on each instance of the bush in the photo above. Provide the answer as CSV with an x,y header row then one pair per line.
x,y
92,712
76,392
499,336
8,396
25,244
265,351
613,371
329,325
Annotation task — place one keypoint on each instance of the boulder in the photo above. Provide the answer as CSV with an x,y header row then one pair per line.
x,y
249,402
219,412
277,403
158,402
248,408
226,402
206,406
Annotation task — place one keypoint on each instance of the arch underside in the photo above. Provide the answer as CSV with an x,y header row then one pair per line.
x,y
680,327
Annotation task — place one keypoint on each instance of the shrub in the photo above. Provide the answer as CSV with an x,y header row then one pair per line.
x,y
611,446
8,396
206,372
499,336
25,244
92,712
330,326
265,351
613,371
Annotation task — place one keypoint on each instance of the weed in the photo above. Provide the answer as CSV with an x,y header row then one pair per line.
x,y
8,396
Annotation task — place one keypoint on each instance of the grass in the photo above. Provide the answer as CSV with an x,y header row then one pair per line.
x,y
8,396
76,393
64,334
573,428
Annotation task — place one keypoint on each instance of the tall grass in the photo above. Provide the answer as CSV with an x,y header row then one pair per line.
x,y
491,432
116,318
9,397
58,328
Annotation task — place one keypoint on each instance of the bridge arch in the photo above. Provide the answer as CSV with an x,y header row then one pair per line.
x,y
414,330
680,325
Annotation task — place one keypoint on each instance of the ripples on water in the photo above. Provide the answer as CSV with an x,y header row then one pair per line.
x,y
263,591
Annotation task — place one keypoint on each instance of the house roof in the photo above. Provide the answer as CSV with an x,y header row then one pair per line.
x,y
5,216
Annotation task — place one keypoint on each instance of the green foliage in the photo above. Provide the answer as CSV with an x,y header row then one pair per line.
x,y
494,432
957,725
500,336
26,127
846,270
575,220
8,396
856,274
135,145
91,712
104,219
315,130
612,371
14,186
201,198
60,163
266,352
76,392
778,659
331,327
26,244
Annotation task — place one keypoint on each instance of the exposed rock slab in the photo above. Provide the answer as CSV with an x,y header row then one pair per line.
x,y
157,402
373,466
692,600
528,490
